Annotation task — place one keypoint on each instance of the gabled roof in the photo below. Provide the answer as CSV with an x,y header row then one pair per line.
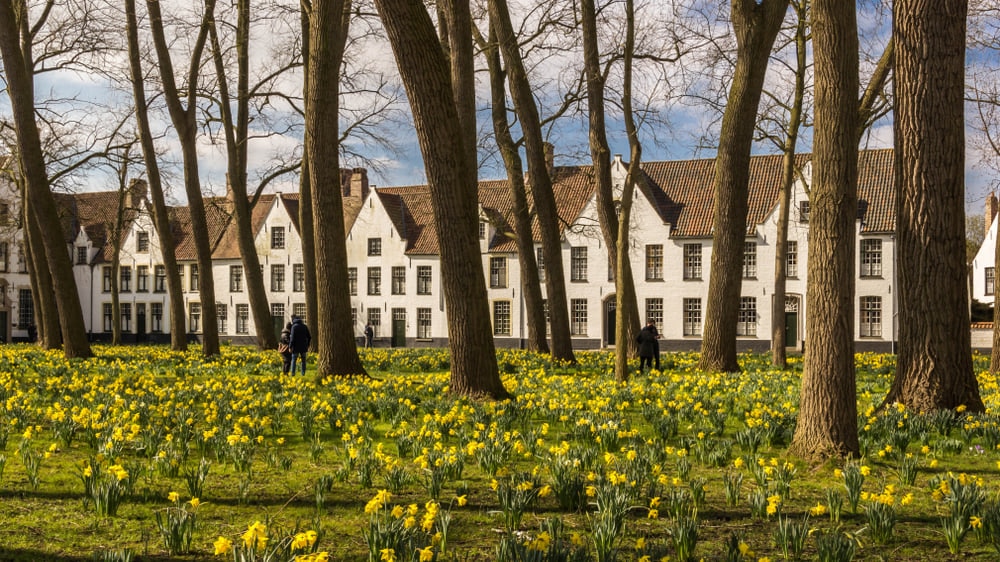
x,y
95,214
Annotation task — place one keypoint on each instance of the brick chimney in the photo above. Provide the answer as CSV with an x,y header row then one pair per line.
x,y
550,155
991,211
358,184
137,193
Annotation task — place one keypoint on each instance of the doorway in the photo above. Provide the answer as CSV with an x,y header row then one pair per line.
x,y
792,322
140,322
399,327
610,317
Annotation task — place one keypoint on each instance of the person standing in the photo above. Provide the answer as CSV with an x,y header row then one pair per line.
x,y
648,346
369,334
298,340
285,349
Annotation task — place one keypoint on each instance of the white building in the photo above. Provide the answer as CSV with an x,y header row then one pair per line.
x,y
395,268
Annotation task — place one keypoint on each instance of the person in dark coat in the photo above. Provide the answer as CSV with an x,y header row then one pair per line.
x,y
369,334
298,340
648,346
285,349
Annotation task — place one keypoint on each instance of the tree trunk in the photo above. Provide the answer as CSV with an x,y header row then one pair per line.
x,y
540,180
827,423
530,284
161,218
334,331
934,367
116,264
184,122
425,74
756,26
600,154
306,230
46,308
237,141
20,91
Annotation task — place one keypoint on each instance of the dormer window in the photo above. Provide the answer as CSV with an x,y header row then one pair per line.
x,y
482,230
81,255
803,211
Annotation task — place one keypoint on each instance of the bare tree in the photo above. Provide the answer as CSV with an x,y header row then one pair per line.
x,y
451,172
827,423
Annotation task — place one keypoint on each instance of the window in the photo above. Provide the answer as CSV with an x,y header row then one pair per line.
x,y
159,278
654,311
299,309
654,262
156,317
750,260
375,319
354,315
243,319
792,259
22,258
81,255
142,279
692,317
4,256
803,211
871,317
352,280
126,279
278,311
548,319
871,257
578,317
108,314
299,278
746,323
424,279
142,242
194,317
578,263
106,279
501,318
424,323
222,317
180,274
541,266
990,280
126,310
374,281
498,273
374,246
277,237
482,230
399,280
277,277
611,269
692,261
25,309
236,279
194,280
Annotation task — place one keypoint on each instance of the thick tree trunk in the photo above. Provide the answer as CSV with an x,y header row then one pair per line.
x,y
161,218
19,90
827,423
426,75
116,264
306,230
756,26
540,180
46,308
600,154
334,332
530,285
934,367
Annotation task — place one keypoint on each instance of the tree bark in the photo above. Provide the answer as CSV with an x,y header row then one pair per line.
x,y
161,218
934,367
46,308
530,284
756,26
334,331
185,124
540,180
306,230
827,423
450,172
32,163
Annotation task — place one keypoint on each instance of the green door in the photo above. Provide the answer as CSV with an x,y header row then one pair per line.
x,y
3,326
399,327
277,324
791,329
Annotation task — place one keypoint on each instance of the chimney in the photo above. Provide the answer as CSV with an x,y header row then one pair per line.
x,y
550,155
991,211
137,193
359,183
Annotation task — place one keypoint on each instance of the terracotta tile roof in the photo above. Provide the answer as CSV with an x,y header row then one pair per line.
x,y
94,212
877,191
228,247
217,217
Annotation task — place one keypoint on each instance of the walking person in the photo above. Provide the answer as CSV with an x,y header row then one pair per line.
x,y
648,346
298,340
369,334
285,348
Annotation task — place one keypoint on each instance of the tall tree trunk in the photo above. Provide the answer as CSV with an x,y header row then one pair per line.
x,y
185,124
600,154
237,140
934,367
161,218
426,76
827,423
32,161
306,231
541,182
626,293
530,284
116,264
334,331
756,26
45,306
